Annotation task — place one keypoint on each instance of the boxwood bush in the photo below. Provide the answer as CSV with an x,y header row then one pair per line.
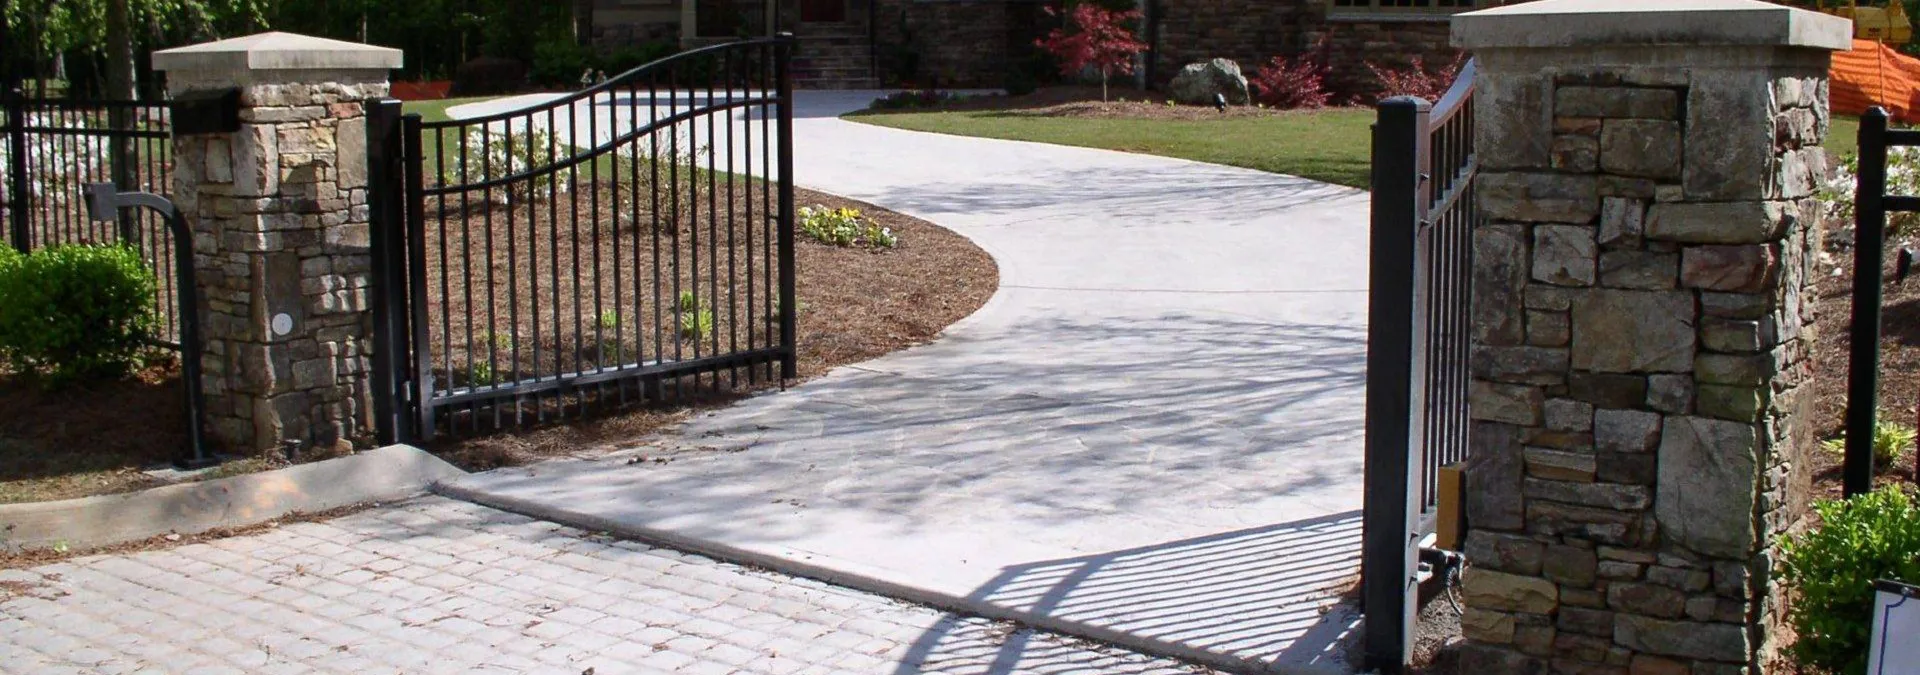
x,y
1872,536
77,311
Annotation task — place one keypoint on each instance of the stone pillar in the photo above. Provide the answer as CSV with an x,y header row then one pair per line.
x,y
279,215
1642,310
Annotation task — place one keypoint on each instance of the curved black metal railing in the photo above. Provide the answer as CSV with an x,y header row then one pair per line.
x,y
1419,323
626,242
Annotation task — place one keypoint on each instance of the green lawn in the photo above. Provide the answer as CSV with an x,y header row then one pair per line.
x,y
1844,135
1326,145
436,111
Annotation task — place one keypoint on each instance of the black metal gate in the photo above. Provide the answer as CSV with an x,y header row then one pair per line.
x,y
1419,323
54,148
630,242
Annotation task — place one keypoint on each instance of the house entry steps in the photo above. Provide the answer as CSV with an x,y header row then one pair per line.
x,y
1150,436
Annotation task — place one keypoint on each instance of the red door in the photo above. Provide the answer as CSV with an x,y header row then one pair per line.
x,y
823,11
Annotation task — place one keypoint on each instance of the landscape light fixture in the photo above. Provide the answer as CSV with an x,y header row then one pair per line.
x,y
1220,101
104,202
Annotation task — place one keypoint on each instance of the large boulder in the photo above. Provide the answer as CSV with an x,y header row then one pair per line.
x,y
1198,82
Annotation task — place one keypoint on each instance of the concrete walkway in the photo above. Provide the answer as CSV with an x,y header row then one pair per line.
x,y
1151,434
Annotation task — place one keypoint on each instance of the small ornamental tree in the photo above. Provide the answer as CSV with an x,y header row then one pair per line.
x,y
1416,79
1095,37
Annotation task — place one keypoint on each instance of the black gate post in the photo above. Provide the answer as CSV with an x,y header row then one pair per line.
x,y
17,202
1869,240
789,314
1389,549
392,424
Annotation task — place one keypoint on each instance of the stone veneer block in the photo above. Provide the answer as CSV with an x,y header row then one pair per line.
x,y
1707,485
1618,331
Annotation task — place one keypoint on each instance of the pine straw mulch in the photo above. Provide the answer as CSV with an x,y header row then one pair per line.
x,y
1899,390
1124,102
855,305
60,443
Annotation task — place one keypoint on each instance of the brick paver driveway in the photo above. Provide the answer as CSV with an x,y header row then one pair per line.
x,y
437,586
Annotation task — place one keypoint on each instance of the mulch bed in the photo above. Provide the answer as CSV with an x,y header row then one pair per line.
x,y
1899,390
1084,102
61,443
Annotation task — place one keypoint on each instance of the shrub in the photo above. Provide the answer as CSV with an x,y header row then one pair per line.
x,y
488,76
844,227
54,168
624,59
492,153
1416,80
1889,439
558,62
1288,84
1903,177
75,311
915,98
1872,536
1097,38
696,322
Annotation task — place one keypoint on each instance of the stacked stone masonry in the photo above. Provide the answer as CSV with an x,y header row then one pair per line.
x,y
1642,319
280,218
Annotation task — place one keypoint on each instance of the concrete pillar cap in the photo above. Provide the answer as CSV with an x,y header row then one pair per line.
x,y
277,51
1680,23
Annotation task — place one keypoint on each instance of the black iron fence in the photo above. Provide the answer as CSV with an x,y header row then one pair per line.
x,y
1419,324
53,149
626,243
1871,205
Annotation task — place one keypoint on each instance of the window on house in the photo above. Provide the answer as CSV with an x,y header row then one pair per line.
x,y
1415,7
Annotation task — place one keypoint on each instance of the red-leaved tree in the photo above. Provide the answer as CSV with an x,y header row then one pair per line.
x,y
1293,83
1417,80
1095,37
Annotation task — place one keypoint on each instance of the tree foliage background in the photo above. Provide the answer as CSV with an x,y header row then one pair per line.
x,y
437,35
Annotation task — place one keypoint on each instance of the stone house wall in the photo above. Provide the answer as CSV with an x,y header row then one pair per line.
x,y
984,43
961,43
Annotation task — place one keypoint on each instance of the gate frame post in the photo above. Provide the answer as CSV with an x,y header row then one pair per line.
x,y
388,224
1870,253
1392,345
789,312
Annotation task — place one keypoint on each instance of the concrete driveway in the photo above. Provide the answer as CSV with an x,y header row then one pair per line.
x,y
1150,435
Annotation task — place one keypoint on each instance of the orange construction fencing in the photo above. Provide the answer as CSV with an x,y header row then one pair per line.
x,y
1874,74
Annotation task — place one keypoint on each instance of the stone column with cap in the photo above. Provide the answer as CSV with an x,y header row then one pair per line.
x,y
1642,320
279,212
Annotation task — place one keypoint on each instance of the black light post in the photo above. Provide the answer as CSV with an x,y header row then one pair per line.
x,y
104,203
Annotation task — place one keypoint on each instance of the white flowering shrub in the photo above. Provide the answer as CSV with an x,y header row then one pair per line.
x,y
1903,178
57,171
490,152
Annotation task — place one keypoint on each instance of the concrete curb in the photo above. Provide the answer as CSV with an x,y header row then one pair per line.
x,y
390,473
794,564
